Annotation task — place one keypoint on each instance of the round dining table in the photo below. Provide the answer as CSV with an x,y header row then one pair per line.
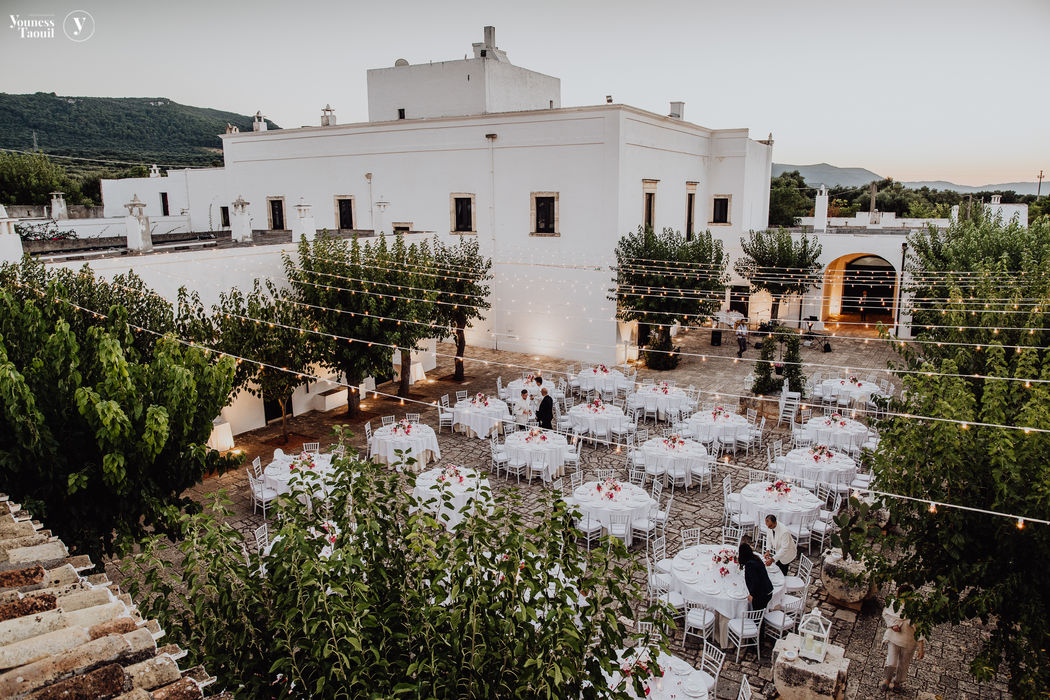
x,y
529,445
515,387
602,379
836,431
596,420
419,441
459,485
858,390
278,474
627,499
478,418
679,680
673,456
716,423
661,398
697,575
811,464
757,501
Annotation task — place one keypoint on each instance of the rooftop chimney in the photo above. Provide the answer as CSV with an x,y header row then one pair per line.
x,y
328,116
997,199
490,37
608,99
677,110
260,123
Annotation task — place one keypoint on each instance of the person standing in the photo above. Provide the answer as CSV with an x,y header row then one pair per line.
x,y
783,544
741,338
903,641
523,409
759,587
545,413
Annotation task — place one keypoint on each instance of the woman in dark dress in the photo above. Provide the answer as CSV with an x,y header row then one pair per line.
x,y
759,587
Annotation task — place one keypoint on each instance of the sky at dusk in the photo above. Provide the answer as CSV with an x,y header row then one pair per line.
x,y
916,90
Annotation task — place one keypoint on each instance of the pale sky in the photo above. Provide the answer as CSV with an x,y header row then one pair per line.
x,y
913,89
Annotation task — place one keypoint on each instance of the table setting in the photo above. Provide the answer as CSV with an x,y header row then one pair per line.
x,y
462,484
858,390
712,424
479,415
278,474
415,439
782,498
820,463
529,383
836,431
596,417
673,455
602,378
661,397
527,445
675,679
710,574
603,499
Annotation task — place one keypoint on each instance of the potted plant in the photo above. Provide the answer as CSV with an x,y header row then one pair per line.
x,y
844,573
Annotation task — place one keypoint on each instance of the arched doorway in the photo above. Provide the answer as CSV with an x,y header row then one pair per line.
x,y
860,292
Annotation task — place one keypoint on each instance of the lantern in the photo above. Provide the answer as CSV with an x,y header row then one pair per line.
x,y
815,631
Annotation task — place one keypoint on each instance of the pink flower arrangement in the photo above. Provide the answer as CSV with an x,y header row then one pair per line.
x,y
780,487
674,441
719,412
609,488
536,433
724,557
596,406
303,461
481,400
820,452
402,426
665,388
601,368
451,473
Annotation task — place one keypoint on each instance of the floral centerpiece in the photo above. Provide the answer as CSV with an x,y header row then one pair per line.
x,y
719,412
536,434
835,418
664,387
780,487
723,558
303,461
596,406
820,452
402,427
609,488
674,441
601,369
529,379
451,473
481,399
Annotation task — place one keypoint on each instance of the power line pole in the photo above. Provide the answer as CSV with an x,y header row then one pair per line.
x,y
35,148
1039,188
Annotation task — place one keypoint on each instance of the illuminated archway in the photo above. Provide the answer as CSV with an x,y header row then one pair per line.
x,y
860,288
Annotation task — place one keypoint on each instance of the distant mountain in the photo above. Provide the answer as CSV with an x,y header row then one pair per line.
x,y
823,173
139,129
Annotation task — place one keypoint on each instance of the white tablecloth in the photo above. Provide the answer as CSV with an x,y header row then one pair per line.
x,y
479,419
630,499
837,469
520,445
707,427
278,473
696,576
756,503
661,398
593,379
860,391
661,457
515,387
678,676
837,432
729,318
595,422
430,492
421,443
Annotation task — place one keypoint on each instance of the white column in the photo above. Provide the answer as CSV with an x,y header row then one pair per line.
x,y
304,225
240,221
136,225
820,210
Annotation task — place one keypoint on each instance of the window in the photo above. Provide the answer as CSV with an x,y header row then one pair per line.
x,y
275,213
544,214
649,203
163,203
720,209
224,217
690,210
401,113
402,226
344,213
462,211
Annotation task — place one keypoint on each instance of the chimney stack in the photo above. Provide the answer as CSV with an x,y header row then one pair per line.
x,y
259,124
677,110
490,37
328,116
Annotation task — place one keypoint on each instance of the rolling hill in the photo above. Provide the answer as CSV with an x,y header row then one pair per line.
x,y
823,173
139,129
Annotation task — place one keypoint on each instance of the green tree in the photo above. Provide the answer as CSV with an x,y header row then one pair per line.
x,y
645,262
463,281
789,199
30,178
775,261
765,382
965,565
100,434
257,326
367,595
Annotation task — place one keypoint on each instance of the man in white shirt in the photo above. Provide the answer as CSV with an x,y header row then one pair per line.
x,y
784,549
523,408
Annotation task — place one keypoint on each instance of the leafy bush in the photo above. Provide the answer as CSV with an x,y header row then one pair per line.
x,y
765,382
366,595
44,231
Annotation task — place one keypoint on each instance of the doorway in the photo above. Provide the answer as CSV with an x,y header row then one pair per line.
x,y
346,214
276,213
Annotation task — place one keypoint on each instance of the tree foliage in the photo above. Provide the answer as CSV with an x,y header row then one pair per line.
x,y
364,595
967,565
788,200
642,261
465,287
776,262
101,429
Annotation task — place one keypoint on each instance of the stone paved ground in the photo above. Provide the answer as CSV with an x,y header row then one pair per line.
x,y
942,673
